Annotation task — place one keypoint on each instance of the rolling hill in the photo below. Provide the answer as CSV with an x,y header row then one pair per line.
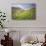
x,y
21,14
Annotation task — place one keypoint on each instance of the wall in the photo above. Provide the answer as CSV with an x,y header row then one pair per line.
x,y
5,6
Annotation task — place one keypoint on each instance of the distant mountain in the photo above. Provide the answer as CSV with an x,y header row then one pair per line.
x,y
16,8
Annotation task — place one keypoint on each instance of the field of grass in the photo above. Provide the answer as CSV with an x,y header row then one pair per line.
x,y
24,15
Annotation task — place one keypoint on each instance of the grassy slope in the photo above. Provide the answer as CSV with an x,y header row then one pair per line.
x,y
25,15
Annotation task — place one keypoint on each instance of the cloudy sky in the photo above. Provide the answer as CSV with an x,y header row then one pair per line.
x,y
24,6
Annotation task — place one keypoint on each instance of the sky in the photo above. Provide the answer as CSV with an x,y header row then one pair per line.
x,y
25,6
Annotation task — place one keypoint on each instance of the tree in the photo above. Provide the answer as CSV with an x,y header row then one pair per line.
x,y
2,18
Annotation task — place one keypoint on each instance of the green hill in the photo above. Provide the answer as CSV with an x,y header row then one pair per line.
x,y
24,14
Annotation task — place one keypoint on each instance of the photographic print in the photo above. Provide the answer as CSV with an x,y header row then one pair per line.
x,y
24,11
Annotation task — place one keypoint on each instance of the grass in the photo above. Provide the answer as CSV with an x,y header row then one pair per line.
x,y
24,15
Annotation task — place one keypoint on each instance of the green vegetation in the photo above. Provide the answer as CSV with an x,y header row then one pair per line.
x,y
24,14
